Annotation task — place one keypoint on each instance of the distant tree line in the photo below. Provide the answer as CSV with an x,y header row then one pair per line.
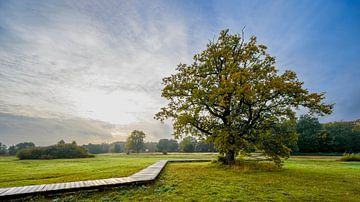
x,y
334,137
313,137
115,147
13,149
164,145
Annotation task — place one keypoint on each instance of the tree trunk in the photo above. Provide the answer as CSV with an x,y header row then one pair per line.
x,y
230,157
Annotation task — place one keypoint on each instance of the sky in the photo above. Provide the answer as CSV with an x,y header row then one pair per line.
x,y
91,71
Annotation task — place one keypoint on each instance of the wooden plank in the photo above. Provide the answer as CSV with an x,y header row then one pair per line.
x,y
82,184
76,185
69,185
53,187
26,189
62,186
11,191
73,185
87,184
128,180
56,186
32,188
119,180
111,181
96,182
48,187
66,185
39,188
2,190
19,191
102,182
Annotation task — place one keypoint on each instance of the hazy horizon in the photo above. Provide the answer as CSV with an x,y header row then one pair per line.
x,y
91,71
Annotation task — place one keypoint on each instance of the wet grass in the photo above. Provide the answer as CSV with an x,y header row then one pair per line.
x,y
301,179
16,172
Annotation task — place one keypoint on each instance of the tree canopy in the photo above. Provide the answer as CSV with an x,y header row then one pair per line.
x,y
312,136
188,144
135,142
233,95
3,149
15,148
165,145
343,136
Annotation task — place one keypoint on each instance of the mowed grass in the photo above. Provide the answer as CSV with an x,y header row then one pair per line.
x,y
16,172
301,179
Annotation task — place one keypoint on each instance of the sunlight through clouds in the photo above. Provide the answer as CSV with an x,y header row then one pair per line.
x,y
104,60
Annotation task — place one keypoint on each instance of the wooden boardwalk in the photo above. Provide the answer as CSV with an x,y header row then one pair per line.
x,y
146,175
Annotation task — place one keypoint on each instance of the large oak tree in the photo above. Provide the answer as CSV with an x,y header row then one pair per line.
x,y
233,95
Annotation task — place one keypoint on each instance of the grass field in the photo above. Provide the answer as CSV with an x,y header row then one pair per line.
x,y
16,172
303,178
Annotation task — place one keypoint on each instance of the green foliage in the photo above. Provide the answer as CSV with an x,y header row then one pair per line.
x,y
167,145
3,149
188,144
232,95
203,146
277,141
150,146
16,148
135,142
12,150
336,137
58,151
350,157
115,147
312,136
344,136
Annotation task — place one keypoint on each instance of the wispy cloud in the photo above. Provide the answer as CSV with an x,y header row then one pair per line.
x,y
104,60
94,60
67,56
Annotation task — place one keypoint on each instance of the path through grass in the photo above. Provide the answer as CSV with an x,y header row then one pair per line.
x,y
16,172
302,179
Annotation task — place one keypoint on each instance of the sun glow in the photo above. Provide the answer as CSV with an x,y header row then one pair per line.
x,y
120,107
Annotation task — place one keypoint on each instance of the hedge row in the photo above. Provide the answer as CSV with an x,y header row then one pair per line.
x,y
58,151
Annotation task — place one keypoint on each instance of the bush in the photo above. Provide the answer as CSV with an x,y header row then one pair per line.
x,y
350,157
59,151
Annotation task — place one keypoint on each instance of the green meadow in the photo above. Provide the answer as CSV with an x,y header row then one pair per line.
x,y
302,178
16,172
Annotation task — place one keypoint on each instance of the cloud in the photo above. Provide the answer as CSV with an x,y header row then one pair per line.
x,y
56,57
104,60
46,131
100,61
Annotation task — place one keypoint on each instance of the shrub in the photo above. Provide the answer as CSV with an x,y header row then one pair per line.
x,y
350,157
58,151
